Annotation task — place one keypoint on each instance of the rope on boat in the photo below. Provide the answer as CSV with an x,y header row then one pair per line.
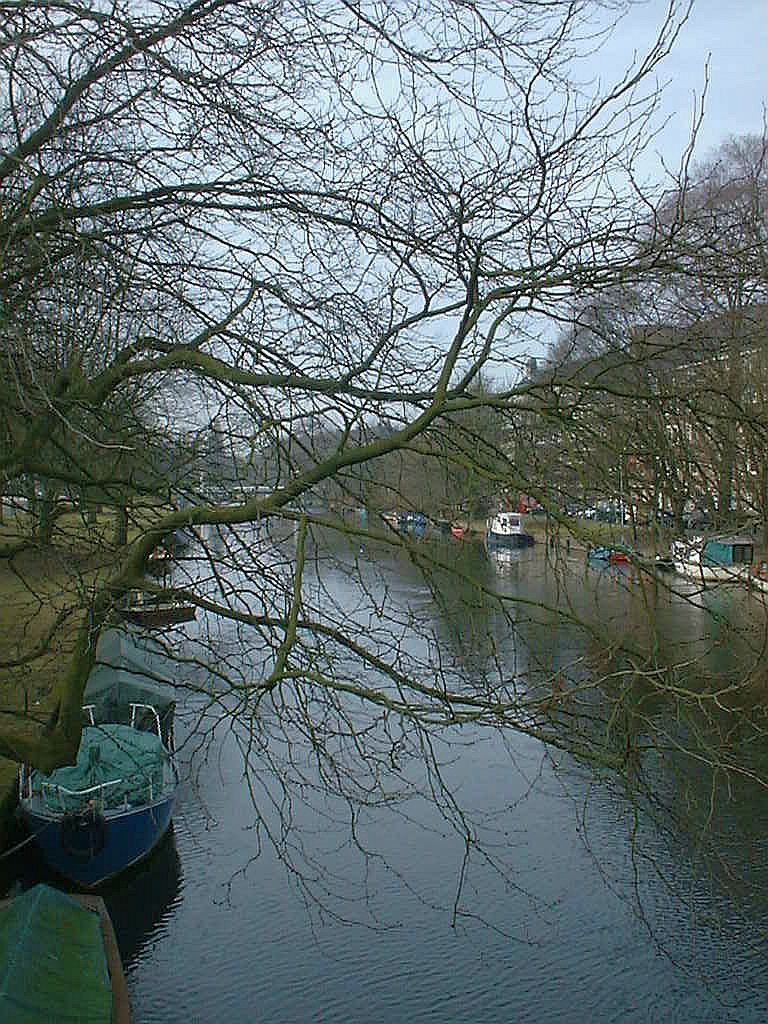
x,y
18,846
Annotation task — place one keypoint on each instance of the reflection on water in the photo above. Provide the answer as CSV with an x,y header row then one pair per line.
x,y
139,901
541,885
143,901
543,925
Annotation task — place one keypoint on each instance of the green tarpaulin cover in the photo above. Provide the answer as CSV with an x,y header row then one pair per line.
x,y
107,753
52,962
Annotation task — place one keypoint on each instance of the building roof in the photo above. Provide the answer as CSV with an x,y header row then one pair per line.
x,y
661,347
701,339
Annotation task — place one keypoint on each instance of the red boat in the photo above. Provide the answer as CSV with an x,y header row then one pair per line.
x,y
616,556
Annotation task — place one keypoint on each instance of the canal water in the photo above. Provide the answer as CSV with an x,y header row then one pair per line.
x,y
537,886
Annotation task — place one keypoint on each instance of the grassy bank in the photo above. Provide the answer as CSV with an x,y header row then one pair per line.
x,y
44,590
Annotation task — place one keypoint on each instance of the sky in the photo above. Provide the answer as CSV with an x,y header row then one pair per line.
x,y
733,36
730,35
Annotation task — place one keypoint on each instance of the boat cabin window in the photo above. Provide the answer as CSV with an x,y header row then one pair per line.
x,y
742,554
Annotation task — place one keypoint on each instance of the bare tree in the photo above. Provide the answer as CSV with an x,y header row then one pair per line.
x,y
313,231
718,298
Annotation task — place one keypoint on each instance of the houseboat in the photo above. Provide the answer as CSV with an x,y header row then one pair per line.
x,y
505,530
715,559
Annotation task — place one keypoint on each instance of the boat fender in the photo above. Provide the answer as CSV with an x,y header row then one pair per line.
x,y
83,833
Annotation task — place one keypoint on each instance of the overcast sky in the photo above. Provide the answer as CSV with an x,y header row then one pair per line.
x,y
733,34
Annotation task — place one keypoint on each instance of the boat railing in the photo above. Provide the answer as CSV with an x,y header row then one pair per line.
x,y
89,713
25,781
136,707
92,795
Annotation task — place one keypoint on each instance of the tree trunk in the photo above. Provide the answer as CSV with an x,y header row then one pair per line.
x,y
120,537
44,514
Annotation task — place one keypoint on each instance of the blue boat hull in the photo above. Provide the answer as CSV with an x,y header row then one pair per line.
x,y
97,853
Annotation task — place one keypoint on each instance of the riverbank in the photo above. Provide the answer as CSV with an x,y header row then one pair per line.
x,y
36,591
579,536
43,591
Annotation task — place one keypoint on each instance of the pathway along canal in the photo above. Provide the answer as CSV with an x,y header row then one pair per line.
x,y
582,899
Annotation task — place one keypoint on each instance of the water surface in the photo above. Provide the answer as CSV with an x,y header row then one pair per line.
x,y
579,896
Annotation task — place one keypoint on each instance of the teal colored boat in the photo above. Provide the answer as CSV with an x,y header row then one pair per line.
x,y
59,961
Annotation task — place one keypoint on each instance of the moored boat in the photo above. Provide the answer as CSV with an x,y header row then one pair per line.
x,y
154,611
714,559
94,819
661,563
613,555
412,524
505,530
59,960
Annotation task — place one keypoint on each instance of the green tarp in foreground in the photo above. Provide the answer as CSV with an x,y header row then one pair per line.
x,y
52,961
